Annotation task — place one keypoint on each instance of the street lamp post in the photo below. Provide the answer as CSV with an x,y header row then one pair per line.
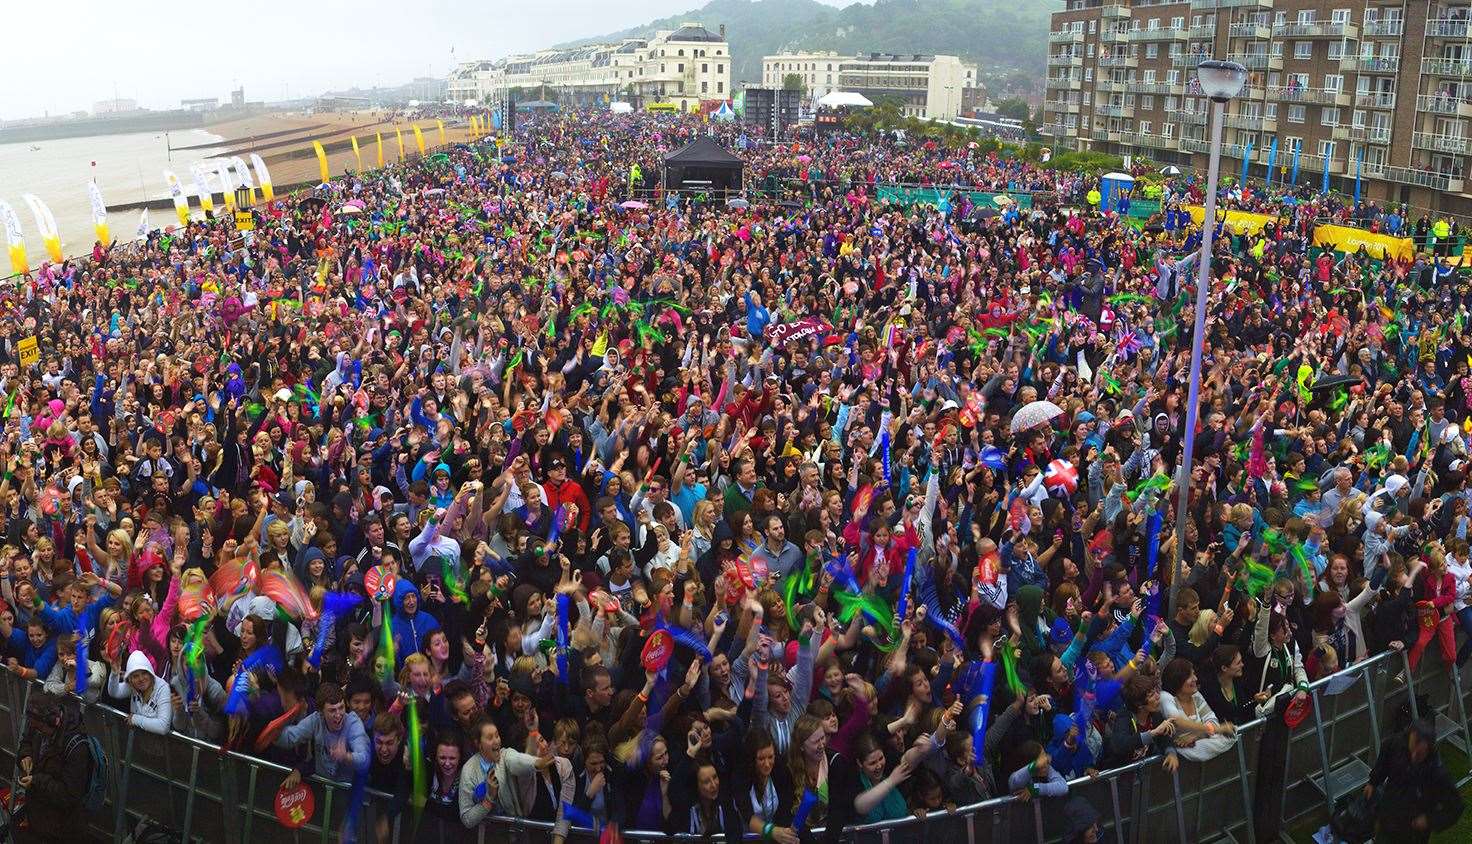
x,y
1221,81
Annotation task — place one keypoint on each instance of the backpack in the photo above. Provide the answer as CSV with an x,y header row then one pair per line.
x,y
96,793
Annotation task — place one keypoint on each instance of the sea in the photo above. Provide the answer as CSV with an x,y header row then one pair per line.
x,y
128,168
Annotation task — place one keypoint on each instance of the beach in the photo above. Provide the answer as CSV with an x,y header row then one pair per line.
x,y
129,168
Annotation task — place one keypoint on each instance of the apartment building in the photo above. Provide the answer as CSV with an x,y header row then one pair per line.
x,y
1379,86
931,86
683,67
818,71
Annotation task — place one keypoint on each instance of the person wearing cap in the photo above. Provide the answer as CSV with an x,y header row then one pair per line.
x,y
559,490
55,767
1413,793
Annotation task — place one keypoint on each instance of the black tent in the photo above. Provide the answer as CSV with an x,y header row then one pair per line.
x,y
702,165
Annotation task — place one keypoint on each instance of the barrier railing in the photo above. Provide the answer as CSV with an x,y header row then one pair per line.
x,y
205,793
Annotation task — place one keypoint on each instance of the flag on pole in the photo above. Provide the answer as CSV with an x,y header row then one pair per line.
x,y
1297,151
1246,160
1272,159
143,226
1328,161
1359,164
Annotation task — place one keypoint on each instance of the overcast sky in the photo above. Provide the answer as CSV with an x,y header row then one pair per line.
x,y
68,54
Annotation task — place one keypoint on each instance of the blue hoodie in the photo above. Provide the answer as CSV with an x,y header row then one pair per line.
x,y
411,632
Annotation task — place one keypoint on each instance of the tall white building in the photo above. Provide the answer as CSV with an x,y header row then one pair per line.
x,y
680,67
818,71
929,85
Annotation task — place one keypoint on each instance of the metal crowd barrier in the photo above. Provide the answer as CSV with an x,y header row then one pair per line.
x,y
207,794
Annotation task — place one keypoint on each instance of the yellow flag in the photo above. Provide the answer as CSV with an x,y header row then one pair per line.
x,y
358,154
418,138
441,125
472,128
600,345
379,136
400,133
321,160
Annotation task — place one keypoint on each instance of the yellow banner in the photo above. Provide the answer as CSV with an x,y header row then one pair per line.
x,y
471,128
399,133
1346,239
441,125
357,154
418,138
322,161
379,137
1238,222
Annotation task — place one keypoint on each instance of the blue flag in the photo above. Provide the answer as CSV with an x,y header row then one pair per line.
x,y
1328,160
1297,151
1246,160
1272,159
1359,164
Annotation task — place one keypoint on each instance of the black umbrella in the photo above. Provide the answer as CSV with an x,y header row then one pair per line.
x,y
1332,381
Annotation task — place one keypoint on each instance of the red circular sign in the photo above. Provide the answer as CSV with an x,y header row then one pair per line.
x,y
378,582
657,651
295,806
1296,711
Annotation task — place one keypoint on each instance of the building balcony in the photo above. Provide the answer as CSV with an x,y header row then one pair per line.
x,y
1250,30
1141,36
1370,134
1145,139
1252,122
1065,61
1438,104
1421,178
1204,147
1203,31
1459,29
1446,67
1060,106
1057,130
1188,60
1067,36
1163,88
1065,83
1115,111
1306,161
1375,99
1119,61
1195,118
1114,11
1339,132
1114,36
1440,143
1319,29
1316,96
1370,64
1384,29
1257,61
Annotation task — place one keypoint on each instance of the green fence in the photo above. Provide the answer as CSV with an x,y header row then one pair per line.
x,y
936,196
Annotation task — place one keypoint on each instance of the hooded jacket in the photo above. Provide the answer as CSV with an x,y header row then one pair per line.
x,y
61,768
411,631
153,712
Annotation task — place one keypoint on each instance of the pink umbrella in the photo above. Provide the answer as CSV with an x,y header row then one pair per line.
x,y
804,158
632,204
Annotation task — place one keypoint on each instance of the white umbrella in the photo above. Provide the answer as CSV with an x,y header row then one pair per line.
x,y
1034,415
737,202
1170,170
1002,200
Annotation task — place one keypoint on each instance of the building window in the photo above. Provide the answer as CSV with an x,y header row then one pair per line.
x,y
1144,127
720,68
1170,104
681,53
704,87
680,68
1336,49
1339,16
1270,111
1333,82
1147,102
1178,22
720,87
1280,19
1303,49
1329,116
704,68
1152,51
1093,27
1305,15
1297,113
1277,49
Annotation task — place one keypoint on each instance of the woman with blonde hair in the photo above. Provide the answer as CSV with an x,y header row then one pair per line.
x,y
703,525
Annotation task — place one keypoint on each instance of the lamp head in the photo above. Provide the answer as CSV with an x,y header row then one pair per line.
x,y
1221,80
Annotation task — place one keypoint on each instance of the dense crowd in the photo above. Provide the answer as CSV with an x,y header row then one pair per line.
x,y
464,482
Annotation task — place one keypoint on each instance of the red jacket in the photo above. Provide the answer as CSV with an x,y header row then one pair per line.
x,y
570,492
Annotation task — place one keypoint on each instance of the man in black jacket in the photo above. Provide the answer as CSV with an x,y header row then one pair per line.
x,y
1416,795
56,769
